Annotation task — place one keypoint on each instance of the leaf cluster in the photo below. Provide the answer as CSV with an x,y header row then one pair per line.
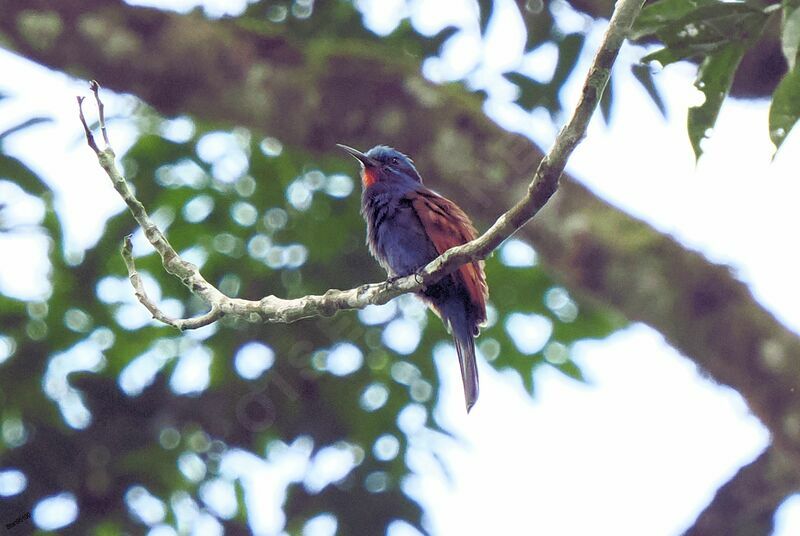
x,y
717,34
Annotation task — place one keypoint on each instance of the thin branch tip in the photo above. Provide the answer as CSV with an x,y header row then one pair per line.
x,y
95,87
86,130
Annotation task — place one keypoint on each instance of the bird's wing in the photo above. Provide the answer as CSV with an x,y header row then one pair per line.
x,y
448,226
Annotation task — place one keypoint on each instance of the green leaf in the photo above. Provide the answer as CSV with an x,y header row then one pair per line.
x,y
665,56
790,36
658,14
714,26
19,173
714,79
22,126
606,100
433,44
531,92
719,32
569,50
486,8
705,29
539,24
785,109
644,76
570,368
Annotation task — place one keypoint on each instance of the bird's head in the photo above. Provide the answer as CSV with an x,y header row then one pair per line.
x,y
384,164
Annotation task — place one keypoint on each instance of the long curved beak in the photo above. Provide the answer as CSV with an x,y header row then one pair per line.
x,y
365,160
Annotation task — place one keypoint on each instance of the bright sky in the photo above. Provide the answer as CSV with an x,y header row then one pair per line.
x,y
638,450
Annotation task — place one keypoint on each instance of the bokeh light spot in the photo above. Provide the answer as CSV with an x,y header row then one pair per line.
x,y
517,254
559,301
529,332
253,359
198,208
299,195
77,320
344,359
169,438
321,525
7,347
404,372
144,506
244,214
402,335
295,255
258,246
191,374
374,397
56,511
271,147
490,348
556,353
192,466
339,186
12,482
376,482
378,314
329,465
386,447
220,496
275,219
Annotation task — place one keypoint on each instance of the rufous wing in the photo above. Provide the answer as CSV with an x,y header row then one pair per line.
x,y
448,226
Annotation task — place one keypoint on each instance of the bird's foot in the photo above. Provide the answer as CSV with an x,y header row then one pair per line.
x,y
392,281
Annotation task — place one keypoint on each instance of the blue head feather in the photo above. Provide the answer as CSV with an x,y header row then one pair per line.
x,y
394,164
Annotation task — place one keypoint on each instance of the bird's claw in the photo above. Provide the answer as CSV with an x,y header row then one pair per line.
x,y
392,281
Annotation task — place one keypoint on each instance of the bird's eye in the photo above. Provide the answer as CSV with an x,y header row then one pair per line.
x,y
395,161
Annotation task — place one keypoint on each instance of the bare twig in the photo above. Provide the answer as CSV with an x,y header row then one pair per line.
x,y
95,87
273,309
138,286
86,129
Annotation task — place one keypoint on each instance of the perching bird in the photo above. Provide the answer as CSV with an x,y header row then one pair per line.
x,y
408,226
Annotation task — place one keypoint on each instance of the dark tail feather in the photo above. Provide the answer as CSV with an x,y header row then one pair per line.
x,y
465,346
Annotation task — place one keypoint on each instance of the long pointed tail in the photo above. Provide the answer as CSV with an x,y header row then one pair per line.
x,y
465,346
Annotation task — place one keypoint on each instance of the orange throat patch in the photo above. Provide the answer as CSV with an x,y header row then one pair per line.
x,y
369,177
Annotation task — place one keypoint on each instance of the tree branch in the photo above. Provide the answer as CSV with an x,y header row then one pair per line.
x,y
746,504
273,309
225,74
182,324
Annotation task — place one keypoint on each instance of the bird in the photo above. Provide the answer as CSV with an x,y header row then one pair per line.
x,y
409,225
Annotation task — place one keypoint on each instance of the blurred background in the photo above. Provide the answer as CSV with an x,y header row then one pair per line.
x,y
597,414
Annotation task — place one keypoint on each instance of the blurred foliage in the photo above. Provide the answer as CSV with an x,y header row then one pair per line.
x,y
718,34
94,396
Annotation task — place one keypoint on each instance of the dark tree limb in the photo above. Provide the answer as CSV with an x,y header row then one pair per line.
x,y
745,505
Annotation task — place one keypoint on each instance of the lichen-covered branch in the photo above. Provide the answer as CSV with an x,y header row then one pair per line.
x,y
273,309
141,294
